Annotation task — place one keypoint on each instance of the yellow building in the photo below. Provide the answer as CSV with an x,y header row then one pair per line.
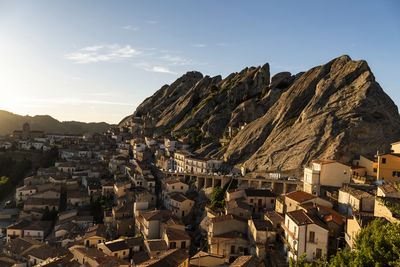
x,y
369,166
388,164
388,167
353,227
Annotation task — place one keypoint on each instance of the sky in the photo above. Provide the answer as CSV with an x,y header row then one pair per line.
x,y
98,60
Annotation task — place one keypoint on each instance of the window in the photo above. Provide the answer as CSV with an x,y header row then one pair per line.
x,y
383,160
123,253
172,245
259,202
311,237
318,253
116,254
272,201
295,230
375,170
394,173
232,249
251,200
183,244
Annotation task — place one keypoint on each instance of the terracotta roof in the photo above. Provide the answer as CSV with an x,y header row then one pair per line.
x,y
140,257
230,235
42,201
300,196
357,193
171,258
19,225
134,241
179,197
300,217
21,244
262,225
39,225
44,252
246,261
325,213
238,203
227,217
156,245
274,217
176,234
156,215
92,253
388,188
202,254
116,245
96,230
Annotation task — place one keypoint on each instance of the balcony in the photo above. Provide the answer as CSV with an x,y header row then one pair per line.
x,y
290,233
289,246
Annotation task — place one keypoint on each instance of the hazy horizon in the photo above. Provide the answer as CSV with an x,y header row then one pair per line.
x,y
95,61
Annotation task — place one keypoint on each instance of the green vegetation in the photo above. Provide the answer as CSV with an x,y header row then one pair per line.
x,y
4,180
15,165
217,198
378,244
98,206
218,195
11,172
393,206
49,158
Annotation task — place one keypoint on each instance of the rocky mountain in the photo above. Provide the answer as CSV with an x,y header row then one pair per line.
x,y
333,111
10,122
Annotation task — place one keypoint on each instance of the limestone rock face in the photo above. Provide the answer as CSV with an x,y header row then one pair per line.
x,y
336,110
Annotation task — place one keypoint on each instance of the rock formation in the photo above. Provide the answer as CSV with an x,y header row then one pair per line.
x,y
335,110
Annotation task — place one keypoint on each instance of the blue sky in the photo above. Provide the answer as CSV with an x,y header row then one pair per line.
x,y
97,60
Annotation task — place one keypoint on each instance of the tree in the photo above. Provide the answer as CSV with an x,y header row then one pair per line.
x,y
217,198
378,244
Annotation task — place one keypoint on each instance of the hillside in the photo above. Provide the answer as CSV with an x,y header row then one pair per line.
x,y
335,110
10,122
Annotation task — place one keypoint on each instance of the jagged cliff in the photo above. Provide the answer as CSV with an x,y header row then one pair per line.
x,y
335,110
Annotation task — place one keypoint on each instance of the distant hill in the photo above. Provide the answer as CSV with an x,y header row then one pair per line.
x,y
10,122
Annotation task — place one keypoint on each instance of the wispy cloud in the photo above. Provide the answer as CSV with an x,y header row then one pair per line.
x,y
199,45
130,28
155,68
102,53
176,60
151,21
222,44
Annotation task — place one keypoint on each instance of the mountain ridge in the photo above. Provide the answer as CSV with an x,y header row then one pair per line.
x,y
335,110
10,121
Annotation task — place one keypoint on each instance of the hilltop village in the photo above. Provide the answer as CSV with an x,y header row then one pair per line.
x,y
126,198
